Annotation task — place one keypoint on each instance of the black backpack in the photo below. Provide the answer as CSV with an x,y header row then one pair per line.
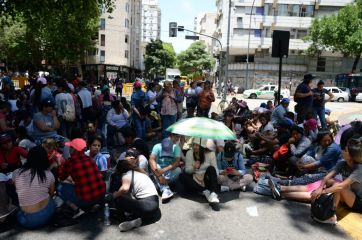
x,y
323,207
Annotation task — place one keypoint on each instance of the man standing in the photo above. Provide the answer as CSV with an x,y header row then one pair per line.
x,y
164,162
304,98
319,102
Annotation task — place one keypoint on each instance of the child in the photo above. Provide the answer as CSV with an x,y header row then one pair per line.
x,y
55,158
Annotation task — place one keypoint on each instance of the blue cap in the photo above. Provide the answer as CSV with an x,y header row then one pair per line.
x,y
285,100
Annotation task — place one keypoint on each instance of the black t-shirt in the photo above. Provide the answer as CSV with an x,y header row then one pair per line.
x,y
142,147
304,101
319,96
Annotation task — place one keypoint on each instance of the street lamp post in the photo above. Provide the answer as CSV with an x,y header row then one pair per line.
x,y
227,54
247,55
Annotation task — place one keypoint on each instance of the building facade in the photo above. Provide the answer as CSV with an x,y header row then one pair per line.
x,y
256,20
206,24
151,20
117,48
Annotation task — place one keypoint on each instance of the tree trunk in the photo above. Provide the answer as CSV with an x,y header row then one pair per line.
x,y
355,63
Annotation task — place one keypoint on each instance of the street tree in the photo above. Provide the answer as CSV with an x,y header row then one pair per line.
x,y
59,32
195,60
340,32
159,56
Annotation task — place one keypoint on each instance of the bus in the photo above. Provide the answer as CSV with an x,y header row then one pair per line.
x,y
353,81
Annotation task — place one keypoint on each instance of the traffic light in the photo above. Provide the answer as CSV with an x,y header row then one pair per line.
x,y
173,29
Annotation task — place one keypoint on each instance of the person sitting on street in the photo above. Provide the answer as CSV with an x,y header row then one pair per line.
x,y
311,129
233,174
135,157
134,142
201,172
278,114
10,155
35,187
164,162
95,146
55,158
117,118
136,196
87,187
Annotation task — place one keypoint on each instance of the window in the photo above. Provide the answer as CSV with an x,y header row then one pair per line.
x,y
239,22
307,11
239,9
127,7
259,10
103,40
294,10
126,53
103,56
126,23
126,38
301,33
93,52
103,24
257,33
321,64
282,10
242,58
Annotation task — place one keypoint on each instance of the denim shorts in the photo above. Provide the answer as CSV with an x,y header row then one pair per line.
x,y
66,192
37,219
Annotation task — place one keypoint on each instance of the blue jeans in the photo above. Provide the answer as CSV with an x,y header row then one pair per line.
x,y
37,219
167,120
66,192
171,176
140,126
320,111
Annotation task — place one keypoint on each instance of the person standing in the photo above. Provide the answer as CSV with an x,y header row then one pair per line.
x,y
191,99
319,103
138,102
206,98
86,102
304,97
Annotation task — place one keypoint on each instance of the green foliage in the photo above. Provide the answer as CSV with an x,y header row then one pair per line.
x,y
341,32
159,56
58,31
195,60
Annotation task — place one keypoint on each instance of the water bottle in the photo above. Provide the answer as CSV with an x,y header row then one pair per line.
x,y
107,222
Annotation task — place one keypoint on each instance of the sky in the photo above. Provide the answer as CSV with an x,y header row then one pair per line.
x,y
183,12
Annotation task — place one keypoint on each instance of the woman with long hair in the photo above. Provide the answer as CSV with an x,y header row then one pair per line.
x,y
137,195
34,185
201,172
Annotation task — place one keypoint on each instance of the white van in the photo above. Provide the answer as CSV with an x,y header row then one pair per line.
x,y
338,94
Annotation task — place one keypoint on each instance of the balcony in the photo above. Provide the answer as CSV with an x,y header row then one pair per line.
x,y
267,67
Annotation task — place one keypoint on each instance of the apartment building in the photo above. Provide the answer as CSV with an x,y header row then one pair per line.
x,y
206,24
260,18
151,20
117,49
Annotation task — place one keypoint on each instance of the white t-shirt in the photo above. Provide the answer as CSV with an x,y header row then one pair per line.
x,y
142,185
61,102
151,95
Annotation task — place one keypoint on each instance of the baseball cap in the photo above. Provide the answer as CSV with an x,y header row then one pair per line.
x,y
242,103
229,150
285,100
311,124
47,103
167,148
78,144
42,80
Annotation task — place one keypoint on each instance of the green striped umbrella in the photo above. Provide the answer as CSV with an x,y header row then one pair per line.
x,y
202,127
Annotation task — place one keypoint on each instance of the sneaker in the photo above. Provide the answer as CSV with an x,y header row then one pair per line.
x,y
224,189
213,198
275,190
243,188
206,193
77,213
332,220
167,194
129,225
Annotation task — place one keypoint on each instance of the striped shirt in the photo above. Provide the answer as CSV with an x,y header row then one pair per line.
x,y
101,161
30,193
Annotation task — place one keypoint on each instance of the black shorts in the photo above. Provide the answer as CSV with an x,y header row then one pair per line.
x,y
357,205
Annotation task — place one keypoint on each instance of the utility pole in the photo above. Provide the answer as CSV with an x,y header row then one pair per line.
x,y
227,55
247,55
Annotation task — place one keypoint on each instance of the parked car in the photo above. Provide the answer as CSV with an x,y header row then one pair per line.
x,y
347,90
359,97
265,92
338,94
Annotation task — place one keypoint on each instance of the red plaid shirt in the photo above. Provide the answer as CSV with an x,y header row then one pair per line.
x,y
89,184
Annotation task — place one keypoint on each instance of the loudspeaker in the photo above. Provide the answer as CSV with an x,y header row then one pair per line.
x,y
280,47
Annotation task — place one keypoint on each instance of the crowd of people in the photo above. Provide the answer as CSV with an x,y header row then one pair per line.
x,y
67,148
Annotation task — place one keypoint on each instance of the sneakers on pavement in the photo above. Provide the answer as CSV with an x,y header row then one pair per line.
x,y
213,198
77,213
275,190
167,194
332,220
129,225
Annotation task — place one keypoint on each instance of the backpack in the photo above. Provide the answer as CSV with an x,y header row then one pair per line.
x,y
323,207
69,113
